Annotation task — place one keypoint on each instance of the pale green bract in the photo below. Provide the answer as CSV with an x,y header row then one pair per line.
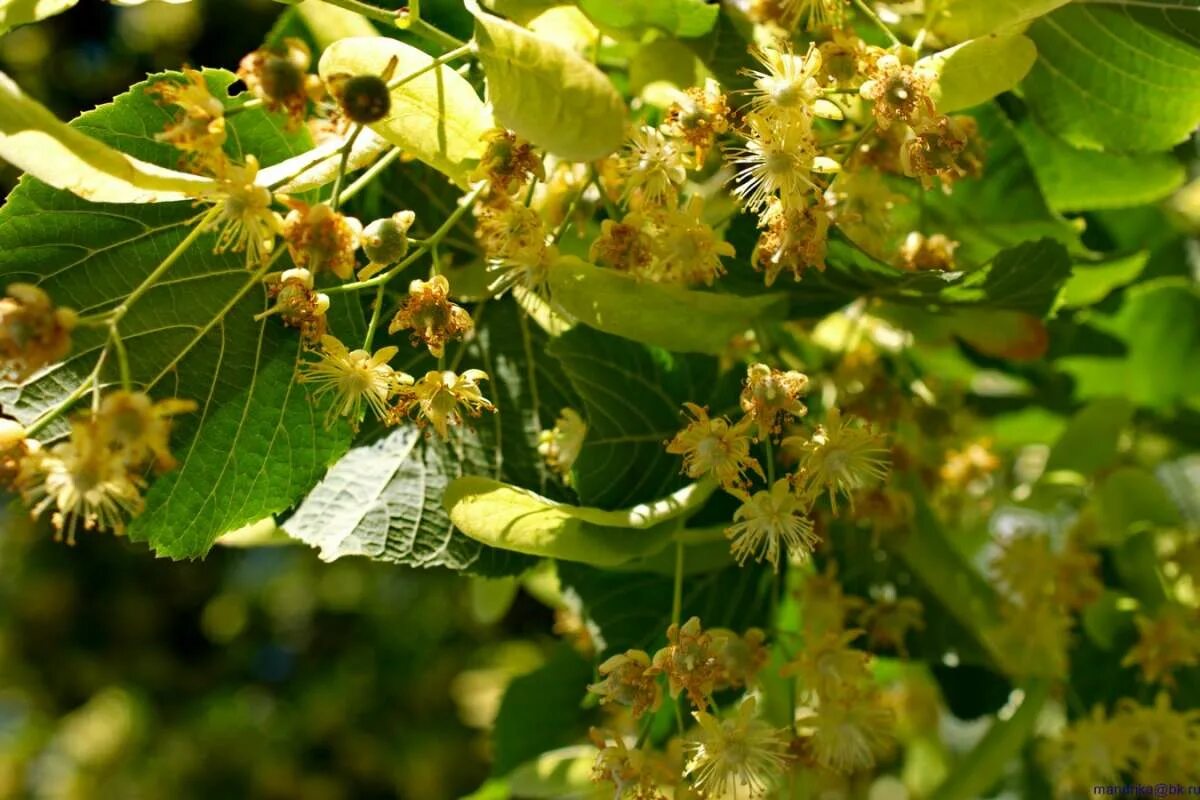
x,y
512,518
683,320
976,71
22,12
546,93
959,20
34,140
435,117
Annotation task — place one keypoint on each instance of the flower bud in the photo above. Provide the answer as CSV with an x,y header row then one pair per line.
x,y
385,241
363,98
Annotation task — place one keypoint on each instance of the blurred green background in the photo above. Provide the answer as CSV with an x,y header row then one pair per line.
x,y
255,673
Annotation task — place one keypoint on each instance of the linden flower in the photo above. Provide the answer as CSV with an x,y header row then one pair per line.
x,y
691,661
829,667
431,317
713,446
1166,642
786,90
769,522
697,118
199,127
654,169
824,603
933,253
1035,638
1163,740
739,752
742,657
842,457
771,395
942,150
847,733
135,429
778,161
1090,749
510,231
795,239
436,399
561,445
14,446
297,303
355,378
276,74
508,163
843,58
84,483
888,622
898,91
627,770
33,333
629,681
244,217
320,238
623,245
688,249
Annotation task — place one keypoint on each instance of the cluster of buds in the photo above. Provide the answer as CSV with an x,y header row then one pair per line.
x,y
840,457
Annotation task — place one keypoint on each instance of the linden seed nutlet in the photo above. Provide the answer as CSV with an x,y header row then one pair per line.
x,y
364,98
385,241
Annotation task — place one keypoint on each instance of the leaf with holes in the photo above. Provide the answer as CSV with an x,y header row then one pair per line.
x,y
256,442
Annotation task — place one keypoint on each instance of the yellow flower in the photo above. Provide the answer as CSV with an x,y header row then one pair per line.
x,y
697,118
245,217
691,661
713,446
320,238
508,163
947,148
741,657
1166,642
778,160
436,398
794,238
786,90
561,445
741,752
829,667
1164,741
199,127
277,75
84,483
899,92
1090,750
688,249
355,378
627,770
772,395
934,253
623,245
14,447
888,621
849,732
297,303
33,333
137,430
842,457
653,168
431,317
769,522
629,681
510,231
823,603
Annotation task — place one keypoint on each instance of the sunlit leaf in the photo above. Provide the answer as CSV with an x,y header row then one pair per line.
x,y
435,117
22,12
547,93
683,18
976,71
958,20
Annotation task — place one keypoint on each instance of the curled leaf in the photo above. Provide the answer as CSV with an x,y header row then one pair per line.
x,y
512,518
547,93
36,141
436,117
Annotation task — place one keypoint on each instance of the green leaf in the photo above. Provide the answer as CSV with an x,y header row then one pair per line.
x,y
22,12
670,317
632,398
34,140
633,609
546,93
1129,496
256,442
1091,438
541,711
725,51
976,71
682,18
384,501
435,117
958,20
511,518
328,23
1072,179
1022,278
1107,80
1091,283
